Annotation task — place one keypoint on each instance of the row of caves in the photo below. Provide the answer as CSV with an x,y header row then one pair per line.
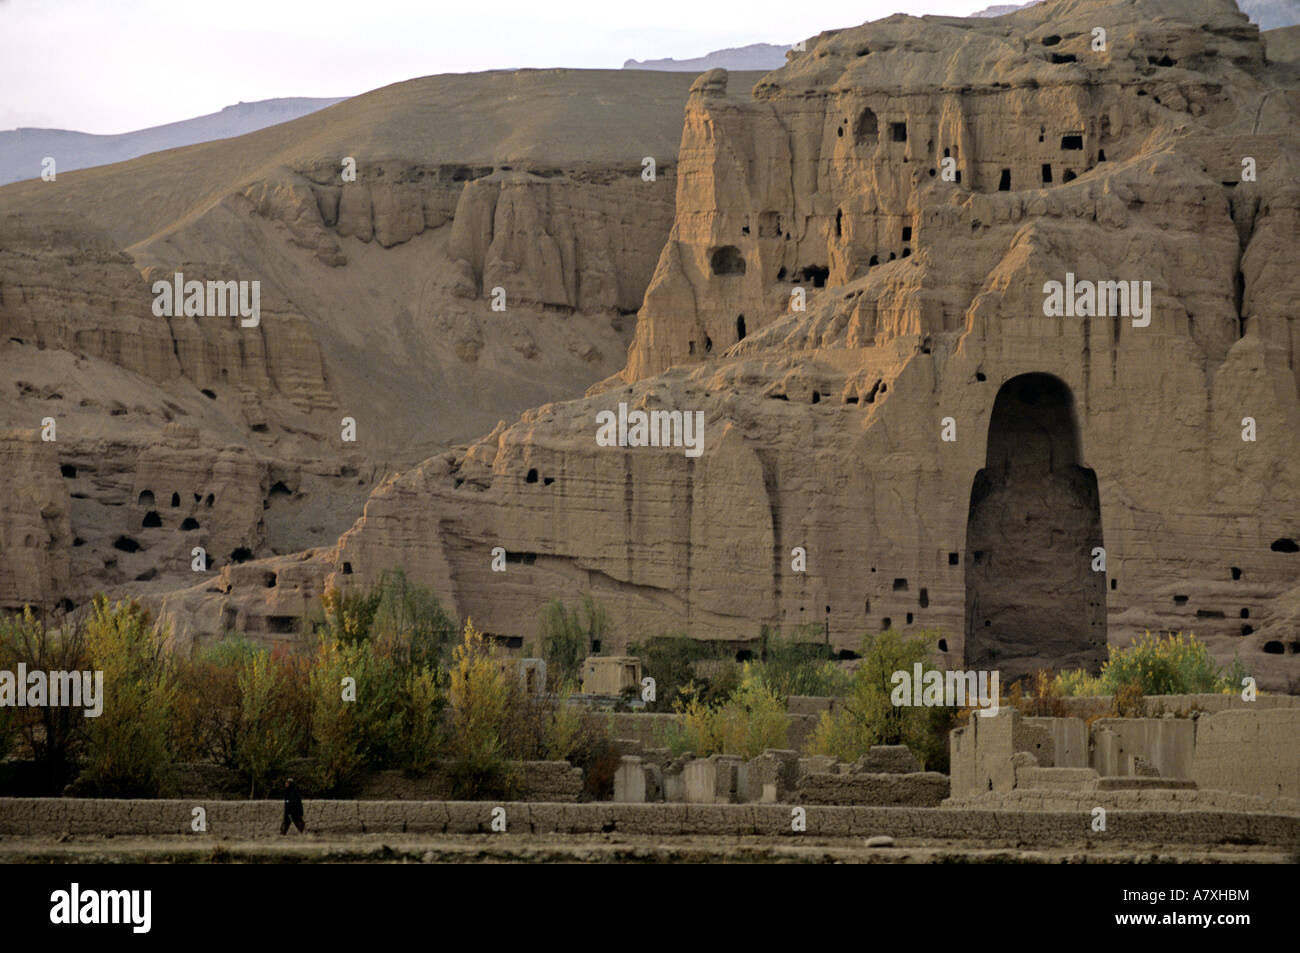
x,y
870,141
153,519
851,394
1272,647
909,616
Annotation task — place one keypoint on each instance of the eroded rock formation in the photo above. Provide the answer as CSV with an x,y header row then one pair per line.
x,y
376,307
853,285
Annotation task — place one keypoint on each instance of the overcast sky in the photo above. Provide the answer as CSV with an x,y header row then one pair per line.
x,y
109,66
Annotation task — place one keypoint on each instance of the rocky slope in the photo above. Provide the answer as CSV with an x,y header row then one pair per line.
x,y
1266,14
376,307
853,295
947,453
22,151
756,56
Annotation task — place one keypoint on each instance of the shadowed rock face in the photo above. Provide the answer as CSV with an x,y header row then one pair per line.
x,y
925,297
1035,518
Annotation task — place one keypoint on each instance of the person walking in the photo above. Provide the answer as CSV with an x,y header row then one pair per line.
x,y
292,808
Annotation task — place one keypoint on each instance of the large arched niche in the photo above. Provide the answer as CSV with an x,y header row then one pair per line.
x,y
1033,599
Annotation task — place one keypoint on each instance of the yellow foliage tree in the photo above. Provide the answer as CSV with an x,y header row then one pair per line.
x,y
479,697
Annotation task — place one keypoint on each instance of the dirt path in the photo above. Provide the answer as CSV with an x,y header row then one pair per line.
x,y
587,848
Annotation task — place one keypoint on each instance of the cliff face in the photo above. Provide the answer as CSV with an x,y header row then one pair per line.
x,y
34,526
946,448
946,452
376,295
836,165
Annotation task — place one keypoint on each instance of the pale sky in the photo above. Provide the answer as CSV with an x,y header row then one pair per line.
x,y
110,66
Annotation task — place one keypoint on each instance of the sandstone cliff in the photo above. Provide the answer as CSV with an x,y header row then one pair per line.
x,y
825,428
852,294
376,306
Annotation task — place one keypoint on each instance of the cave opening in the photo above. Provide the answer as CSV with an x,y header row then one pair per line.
x,y
1032,598
727,260
866,128
817,274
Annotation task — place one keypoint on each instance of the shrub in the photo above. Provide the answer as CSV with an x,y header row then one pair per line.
x,y
670,661
479,698
1045,696
723,680
351,734
1172,665
1233,675
564,726
552,727
798,666
1077,683
1128,701
866,716
269,735
567,635
598,757
750,721
54,737
129,744
1159,665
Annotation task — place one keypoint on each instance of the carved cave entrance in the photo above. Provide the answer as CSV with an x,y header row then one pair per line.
x,y
1032,598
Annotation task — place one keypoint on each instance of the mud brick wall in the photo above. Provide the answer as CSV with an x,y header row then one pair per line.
x,y
53,816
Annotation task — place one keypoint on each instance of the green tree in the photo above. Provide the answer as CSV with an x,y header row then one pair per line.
x,y
269,735
410,623
1169,664
867,716
424,700
129,746
207,725
800,665
479,699
566,636
355,712
747,723
53,736
670,660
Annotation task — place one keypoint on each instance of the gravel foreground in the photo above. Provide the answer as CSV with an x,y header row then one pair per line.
x,y
592,848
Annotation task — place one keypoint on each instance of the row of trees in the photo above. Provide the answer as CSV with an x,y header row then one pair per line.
x,y
751,716
745,712
390,681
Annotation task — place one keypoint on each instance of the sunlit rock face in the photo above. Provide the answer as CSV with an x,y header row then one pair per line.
x,y
854,293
